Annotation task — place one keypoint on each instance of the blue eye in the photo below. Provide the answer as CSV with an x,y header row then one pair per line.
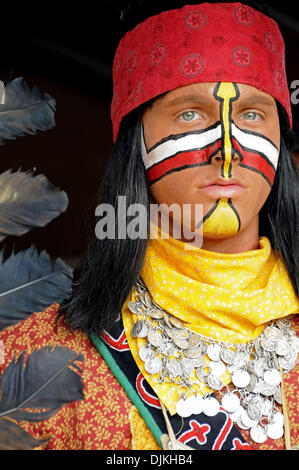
x,y
250,116
188,115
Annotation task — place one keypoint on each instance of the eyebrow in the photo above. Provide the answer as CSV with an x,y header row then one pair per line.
x,y
256,99
193,98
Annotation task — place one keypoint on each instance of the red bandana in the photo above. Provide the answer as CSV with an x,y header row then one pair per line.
x,y
221,42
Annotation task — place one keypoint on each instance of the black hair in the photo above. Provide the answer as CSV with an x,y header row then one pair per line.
x,y
105,279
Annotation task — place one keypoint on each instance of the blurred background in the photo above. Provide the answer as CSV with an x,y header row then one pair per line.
x,y
68,53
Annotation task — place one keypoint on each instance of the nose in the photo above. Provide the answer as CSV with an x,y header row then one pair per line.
x,y
219,158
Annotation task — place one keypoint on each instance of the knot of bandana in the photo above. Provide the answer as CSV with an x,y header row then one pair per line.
x,y
221,42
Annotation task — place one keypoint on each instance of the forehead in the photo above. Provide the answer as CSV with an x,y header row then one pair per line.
x,y
203,93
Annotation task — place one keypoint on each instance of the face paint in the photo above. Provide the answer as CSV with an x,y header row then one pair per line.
x,y
197,148
174,153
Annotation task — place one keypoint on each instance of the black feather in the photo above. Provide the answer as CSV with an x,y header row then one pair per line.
x,y
27,201
24,111
45,382
13,437
30,282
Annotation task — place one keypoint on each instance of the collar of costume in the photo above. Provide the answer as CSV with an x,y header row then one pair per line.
x,y
218,42
226,297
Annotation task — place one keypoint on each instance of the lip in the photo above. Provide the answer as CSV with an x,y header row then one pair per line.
x,y
223,188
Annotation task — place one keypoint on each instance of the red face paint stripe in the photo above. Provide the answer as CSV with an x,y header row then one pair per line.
x,y
256,162
182,161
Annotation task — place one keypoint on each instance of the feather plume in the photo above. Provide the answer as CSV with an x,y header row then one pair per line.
x,y
46,382
24,111
13,437
30,282
27,201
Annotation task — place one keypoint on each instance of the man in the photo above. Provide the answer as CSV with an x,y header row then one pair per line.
x,y
196,339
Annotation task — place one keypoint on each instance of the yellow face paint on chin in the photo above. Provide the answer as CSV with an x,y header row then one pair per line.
x,y
221,220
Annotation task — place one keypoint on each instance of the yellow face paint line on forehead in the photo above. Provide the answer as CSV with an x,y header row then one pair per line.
x,y
226,93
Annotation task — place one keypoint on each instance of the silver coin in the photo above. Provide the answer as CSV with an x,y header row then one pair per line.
x,y
277,395
192,353
148,300
252,384
266,407
235,415
214,382
275,431
272,377
140,329
286,363
187,366
258,434
183,408
295,343
153,365
278,418
179,333
196,404
254,411
272,332
176,322
282,347
201,374
230,402
167,320
240,423
174,367
210,406
267,390
227,355
181,343
154,338
268,344
217,368
155,313
168,331
194,340
283,323
135,308
241,378
213,351
247,421
145,353
259,366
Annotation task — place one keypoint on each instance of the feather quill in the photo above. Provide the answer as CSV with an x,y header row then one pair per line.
x,y
27,201
46,382
30,282
24,111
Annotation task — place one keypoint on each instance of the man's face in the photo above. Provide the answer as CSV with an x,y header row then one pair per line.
x,y
215,144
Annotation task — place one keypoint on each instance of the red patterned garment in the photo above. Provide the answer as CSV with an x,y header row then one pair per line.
x,y
101,420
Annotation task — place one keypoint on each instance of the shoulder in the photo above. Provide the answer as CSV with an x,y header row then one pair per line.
x,y
77,424
41,329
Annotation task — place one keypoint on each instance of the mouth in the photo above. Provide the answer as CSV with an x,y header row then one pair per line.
x,y
221,187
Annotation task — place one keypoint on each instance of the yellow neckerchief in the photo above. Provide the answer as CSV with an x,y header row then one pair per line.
x,y
228,297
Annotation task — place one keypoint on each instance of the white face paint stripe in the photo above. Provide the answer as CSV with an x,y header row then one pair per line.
x,y
256,143
183,144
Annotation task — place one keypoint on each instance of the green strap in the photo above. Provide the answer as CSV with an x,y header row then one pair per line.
x,y
133,395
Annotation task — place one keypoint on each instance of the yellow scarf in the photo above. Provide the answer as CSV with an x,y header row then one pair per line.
x,y
228,297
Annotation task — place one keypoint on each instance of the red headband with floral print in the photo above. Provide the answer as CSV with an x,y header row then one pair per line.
x,y
220,42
